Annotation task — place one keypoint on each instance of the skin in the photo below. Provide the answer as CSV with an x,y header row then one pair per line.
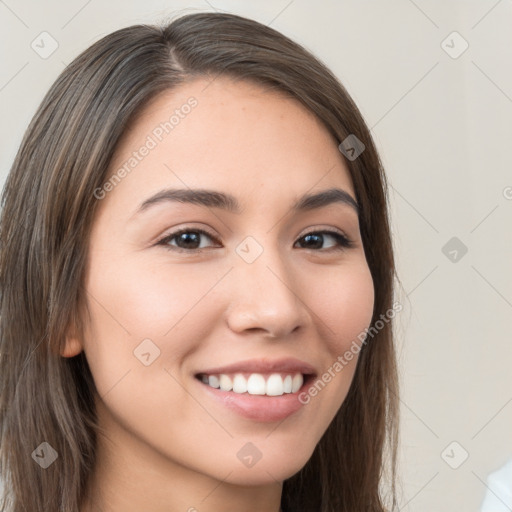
x,y
166,445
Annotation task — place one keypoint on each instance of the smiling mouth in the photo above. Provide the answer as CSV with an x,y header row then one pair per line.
x,y
266,384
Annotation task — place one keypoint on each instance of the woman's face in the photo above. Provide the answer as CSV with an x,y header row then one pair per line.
x,y
267,289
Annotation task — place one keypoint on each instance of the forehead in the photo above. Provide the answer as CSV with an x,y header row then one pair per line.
x,y
229,135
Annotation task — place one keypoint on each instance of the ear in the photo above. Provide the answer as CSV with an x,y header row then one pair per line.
x,y
72,347
72,344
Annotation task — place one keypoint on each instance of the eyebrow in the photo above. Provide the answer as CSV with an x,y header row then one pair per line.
x,y
228,202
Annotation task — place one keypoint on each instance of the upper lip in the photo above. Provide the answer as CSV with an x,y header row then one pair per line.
x,y
289,364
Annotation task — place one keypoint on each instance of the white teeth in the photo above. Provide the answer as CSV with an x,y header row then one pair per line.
x,y
213,381
226,384
287,384
239,384
297,382
256,384
274,385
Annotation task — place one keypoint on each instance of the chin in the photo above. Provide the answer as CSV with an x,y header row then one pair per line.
x,y
269,469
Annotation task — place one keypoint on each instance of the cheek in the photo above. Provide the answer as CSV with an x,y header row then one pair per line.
x,y
345,304
146,318
132,300
148,299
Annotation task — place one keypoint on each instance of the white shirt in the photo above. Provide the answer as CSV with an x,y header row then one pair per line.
x,y
499,493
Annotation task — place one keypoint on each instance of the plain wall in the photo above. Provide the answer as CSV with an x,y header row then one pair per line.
x,y
442,123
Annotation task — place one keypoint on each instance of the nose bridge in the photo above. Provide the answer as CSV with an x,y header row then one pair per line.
x,y
265,294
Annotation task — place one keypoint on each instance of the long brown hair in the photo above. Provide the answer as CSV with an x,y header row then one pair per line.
x,y
49,204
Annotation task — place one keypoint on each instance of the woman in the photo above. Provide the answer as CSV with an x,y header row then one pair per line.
x,y
197,282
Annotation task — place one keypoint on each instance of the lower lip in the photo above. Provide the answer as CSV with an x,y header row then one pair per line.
x,y
261,408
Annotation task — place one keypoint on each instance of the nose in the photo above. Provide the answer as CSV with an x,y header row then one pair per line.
x,y
265,297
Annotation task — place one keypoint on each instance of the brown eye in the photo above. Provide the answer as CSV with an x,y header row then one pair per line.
x,y
315,240
187,239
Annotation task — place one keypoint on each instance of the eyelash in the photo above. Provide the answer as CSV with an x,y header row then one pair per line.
x,y
343,242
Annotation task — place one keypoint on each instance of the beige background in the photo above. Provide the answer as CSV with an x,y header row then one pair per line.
x,y
443,126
